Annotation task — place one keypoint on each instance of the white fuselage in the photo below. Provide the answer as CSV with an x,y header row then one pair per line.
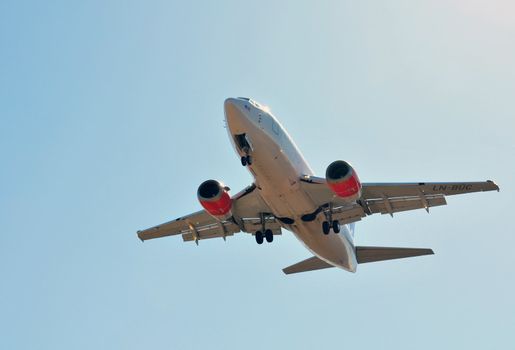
x,y
277,166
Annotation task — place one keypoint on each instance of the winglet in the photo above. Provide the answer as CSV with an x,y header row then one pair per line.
x,y
496,187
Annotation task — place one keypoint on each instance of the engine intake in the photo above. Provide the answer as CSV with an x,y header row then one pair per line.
x,y
215,199
343,180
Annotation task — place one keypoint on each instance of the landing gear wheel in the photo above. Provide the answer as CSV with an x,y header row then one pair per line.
x,y
259,237
244,161
325,227
249,160
269,235
336,226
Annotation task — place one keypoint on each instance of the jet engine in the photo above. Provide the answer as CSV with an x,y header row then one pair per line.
x,y
343,180
215,199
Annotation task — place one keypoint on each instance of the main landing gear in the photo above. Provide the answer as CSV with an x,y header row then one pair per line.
x,y
330,223
264,232
268,235
327,226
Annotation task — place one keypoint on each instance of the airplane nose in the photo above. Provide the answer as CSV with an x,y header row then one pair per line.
x,y
234,113
230,102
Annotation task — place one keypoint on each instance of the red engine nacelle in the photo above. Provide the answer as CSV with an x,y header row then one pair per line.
x,y
214,197
343,180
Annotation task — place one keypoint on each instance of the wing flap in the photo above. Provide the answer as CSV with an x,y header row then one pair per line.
x,y
394,205
372,254
214,230
348,214
310,264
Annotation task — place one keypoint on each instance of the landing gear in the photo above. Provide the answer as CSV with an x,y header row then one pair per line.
x,y
246,160
336,226
243,144
264,233
259,237
325,227
330,223
269,235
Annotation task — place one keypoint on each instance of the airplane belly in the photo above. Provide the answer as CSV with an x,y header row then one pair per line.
x,y
335,249
278,180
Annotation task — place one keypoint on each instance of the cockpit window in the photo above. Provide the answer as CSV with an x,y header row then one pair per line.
x,y
252,102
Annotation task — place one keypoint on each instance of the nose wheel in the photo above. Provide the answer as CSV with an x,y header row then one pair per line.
x,y
246,160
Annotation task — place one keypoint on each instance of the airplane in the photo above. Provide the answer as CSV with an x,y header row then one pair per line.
x,y
286,194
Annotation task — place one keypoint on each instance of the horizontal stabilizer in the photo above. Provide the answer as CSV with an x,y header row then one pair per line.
x,y
371,254
310,264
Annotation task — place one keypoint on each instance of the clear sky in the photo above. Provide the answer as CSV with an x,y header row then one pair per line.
x,y
112,114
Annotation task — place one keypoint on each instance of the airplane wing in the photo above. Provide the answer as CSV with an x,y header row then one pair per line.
x,y
249,213
388,198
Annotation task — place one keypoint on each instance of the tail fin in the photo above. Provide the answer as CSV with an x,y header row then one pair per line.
x,y
372,254
352,229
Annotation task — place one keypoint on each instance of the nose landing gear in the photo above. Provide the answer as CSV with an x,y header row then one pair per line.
x,y
246,160
243,144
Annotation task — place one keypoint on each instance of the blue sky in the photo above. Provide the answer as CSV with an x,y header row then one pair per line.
x,y
111,115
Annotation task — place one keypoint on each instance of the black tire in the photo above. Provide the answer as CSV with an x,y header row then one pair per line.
x,y
336,226
269,235
259,237
244,161
249,160
326,227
